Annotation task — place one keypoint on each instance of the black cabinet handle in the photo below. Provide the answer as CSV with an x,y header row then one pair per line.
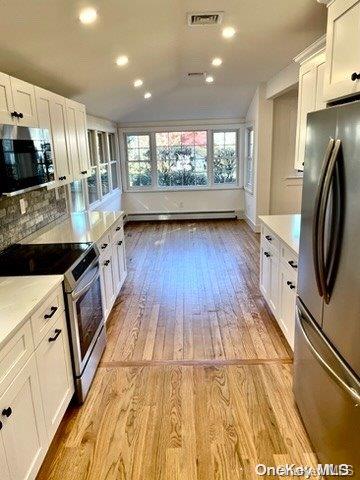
x,y
103,246
267,254
292,264
14,114
1,425
355,76
62,178
57,333
292,286
120,243
49,315
20,115
117,229
84,172
7,412
288,283
106,263
268,238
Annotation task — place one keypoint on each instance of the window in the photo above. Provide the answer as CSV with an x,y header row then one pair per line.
x,y
138,155
77,196
249,159
225,157
182,159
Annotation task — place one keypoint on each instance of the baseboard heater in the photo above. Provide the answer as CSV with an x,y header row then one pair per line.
x,y
141,217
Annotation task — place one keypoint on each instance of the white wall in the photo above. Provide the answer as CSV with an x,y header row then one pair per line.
x,y
283,81
183,201
260,114
286,186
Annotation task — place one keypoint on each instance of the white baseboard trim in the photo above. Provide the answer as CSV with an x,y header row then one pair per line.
x,y
252,225
143,217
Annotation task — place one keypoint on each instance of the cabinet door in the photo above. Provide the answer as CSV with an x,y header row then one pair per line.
x,y
55,374
287,301
24,102
43,107
265,271
72,139
81,132
24,432
320,102
6,100
274,282
342,49
119,265
306,104
59,127
107,284
4,468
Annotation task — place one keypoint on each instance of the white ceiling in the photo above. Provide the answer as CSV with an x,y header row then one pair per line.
x,y
42,41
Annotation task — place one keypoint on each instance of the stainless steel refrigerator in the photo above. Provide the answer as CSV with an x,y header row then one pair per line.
x,y
327,335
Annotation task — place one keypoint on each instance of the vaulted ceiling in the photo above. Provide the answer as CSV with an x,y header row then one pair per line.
x,y
43,42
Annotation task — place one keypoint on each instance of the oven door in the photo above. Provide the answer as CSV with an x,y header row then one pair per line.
x,y
86,317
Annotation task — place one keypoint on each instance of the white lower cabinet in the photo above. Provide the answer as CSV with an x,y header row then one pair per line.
x,y
36,390
112,265
287,301
23,430
278,278
55,374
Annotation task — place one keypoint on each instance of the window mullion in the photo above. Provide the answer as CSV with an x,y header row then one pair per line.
x,y
210,157
153,161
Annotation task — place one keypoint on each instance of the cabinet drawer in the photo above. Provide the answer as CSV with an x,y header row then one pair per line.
x,y
269,238
14,355
289,257
117,232
43,319
104,245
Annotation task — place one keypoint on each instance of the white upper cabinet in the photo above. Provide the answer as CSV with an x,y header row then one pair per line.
x,y
17,102
24,102
6,100
77,134
311,98
59,125
342,49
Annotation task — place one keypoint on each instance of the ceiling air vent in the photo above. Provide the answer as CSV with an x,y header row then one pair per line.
x,y
195,74
204,19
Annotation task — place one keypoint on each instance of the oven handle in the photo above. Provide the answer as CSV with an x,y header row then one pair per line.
x,y
75,295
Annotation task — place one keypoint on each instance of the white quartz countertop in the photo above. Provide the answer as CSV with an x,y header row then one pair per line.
x,y
78,228
286,227
19,298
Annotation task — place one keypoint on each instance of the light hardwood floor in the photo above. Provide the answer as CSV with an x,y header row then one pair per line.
x,y
195,382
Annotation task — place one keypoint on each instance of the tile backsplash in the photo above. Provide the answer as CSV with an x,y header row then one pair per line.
x,y
43,208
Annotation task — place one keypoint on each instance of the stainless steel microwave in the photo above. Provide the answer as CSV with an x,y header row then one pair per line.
x,y
25,159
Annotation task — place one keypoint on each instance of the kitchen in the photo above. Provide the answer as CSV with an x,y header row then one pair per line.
x,y
178,281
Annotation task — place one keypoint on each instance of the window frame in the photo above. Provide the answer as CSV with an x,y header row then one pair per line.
x,y
151,131
249,186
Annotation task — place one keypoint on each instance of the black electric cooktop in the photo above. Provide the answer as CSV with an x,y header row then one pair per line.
x,y
40,259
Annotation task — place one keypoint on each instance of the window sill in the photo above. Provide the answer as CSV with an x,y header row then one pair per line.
x,y
188,189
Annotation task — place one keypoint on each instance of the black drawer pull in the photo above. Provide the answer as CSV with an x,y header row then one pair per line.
x,y
292,264
117,229
355,76
103,246
14,114
267,254
62,178
20,115
7,412
120,243
57,333
106,263
292,286
49,315
84,172
268,238
288,283
1,425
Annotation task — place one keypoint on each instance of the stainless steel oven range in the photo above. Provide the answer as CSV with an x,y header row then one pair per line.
x,y
86,320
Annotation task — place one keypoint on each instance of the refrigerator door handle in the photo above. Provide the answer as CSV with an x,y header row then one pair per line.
x,y
315,236
335,223
350,390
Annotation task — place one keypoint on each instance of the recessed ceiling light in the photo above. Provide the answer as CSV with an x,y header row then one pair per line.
x,y
216,62
209,79
147,95
122,60
87,15
228,32
138,83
